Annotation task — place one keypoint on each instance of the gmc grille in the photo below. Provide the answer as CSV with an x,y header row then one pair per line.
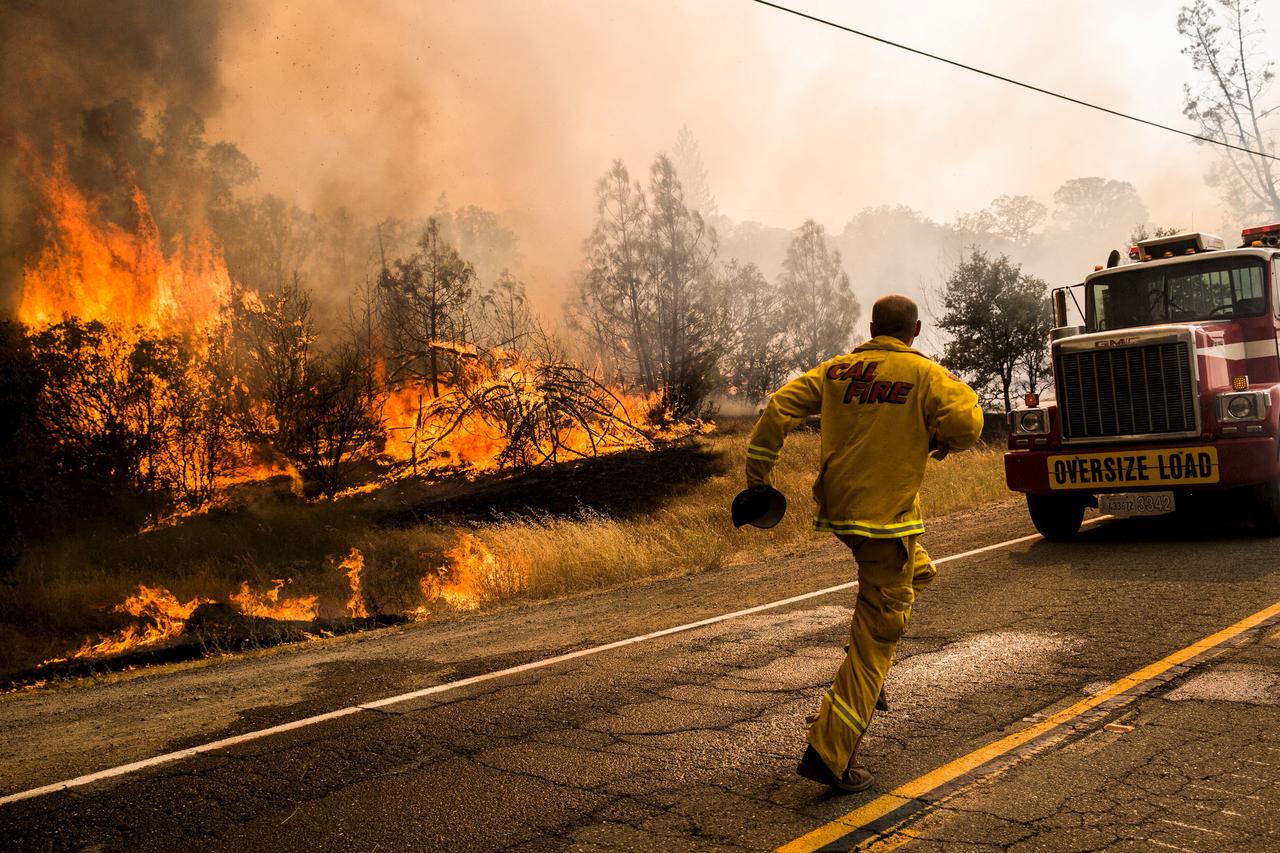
x,y
1140,390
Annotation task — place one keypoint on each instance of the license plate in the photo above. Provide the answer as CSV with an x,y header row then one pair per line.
x,y
1136,503
1172,465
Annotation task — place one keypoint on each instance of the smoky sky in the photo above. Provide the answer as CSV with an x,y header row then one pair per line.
x,y
519,107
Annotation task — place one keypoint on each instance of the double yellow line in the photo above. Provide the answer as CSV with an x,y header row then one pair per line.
x,y
888,812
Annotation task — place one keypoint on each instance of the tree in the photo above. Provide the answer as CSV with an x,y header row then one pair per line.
x,y
202,418
424,304
756,361
334,421
999,319
481,238
1231,104
1012,217
616,303
126,425
267,242
26,476
648,297
690,330
686,156
507,319
819,308
1143,232
1099,206
279,333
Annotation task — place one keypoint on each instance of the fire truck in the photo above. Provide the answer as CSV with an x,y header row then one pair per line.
x,y
1167,394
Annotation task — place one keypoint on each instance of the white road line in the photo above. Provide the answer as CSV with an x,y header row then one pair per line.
x,y
212,746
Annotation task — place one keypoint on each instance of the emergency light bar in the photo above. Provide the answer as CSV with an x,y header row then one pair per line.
x,y
1262,235
1186,243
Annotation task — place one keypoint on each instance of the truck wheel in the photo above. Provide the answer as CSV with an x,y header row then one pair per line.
x,y
1056,517
1266,508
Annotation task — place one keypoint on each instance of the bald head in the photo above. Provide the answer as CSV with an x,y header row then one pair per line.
x,y
897,316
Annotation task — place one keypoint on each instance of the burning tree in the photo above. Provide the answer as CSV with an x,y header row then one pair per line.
x,y
336,419
533,412
424,302
145,416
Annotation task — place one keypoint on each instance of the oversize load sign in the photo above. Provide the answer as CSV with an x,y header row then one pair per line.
x,y
1181,465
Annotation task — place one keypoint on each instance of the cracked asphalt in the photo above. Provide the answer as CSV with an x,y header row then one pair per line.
x,y
689,741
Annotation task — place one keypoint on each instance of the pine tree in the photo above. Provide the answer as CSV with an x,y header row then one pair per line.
x,y
819,307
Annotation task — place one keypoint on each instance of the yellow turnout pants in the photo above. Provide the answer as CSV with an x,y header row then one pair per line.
x,y
891,572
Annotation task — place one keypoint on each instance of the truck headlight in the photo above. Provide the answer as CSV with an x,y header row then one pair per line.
x,y
1240,408
1031,421
1243,406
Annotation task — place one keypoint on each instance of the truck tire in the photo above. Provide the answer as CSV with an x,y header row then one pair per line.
x,y
1056,517
1266,508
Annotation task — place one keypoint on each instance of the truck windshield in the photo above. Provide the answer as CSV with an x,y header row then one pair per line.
x,y
1218,289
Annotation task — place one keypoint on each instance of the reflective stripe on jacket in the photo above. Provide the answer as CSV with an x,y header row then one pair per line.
x,y
881,405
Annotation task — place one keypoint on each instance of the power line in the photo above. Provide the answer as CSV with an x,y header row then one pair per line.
x,y
1010,80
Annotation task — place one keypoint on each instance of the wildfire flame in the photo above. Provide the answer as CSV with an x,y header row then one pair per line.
x,y
472,575
136,280
430,432
269,605
353,565
97,270
167,617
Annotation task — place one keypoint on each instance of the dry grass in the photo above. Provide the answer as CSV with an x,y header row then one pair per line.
x,y
64,590
694,532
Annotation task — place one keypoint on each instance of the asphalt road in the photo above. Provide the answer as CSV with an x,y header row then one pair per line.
x,y
689,740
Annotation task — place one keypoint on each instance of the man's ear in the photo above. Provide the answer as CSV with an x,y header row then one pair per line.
x,y
873,330
917,334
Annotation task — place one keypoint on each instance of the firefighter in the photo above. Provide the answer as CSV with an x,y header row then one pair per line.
x,y
883,408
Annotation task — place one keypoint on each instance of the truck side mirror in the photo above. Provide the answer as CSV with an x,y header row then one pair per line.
x,y
1060,307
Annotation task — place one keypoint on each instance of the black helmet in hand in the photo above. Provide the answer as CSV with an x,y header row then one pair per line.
x,y
760,506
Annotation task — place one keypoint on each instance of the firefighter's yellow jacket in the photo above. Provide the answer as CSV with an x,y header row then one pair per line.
x,y
881,407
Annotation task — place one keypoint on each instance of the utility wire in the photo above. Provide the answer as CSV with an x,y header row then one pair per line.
x,y
1010,80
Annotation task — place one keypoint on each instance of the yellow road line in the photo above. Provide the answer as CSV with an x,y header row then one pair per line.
x,y
904,794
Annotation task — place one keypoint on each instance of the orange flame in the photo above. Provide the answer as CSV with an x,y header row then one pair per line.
x,y
269,605
420,430
472,575
353,565
95,269
134,278
167,617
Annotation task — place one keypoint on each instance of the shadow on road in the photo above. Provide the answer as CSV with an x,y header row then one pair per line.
x,y
1210,546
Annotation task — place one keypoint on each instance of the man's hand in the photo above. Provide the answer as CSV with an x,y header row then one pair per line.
x,y
940,452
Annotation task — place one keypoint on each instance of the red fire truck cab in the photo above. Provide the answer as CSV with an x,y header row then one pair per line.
x,y
1170,388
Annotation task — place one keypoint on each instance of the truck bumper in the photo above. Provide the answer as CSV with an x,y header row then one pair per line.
x,y
1236,462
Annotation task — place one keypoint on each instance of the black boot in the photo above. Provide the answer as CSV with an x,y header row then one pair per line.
x,y
856,778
